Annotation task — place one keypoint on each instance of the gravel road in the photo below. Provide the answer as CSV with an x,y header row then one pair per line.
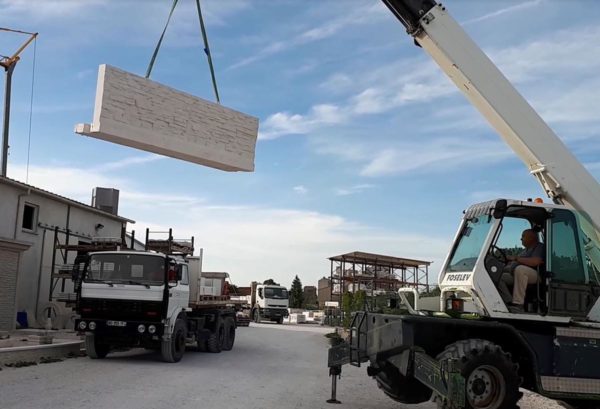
x,y
271,366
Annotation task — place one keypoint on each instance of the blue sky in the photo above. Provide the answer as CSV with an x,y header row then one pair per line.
x,y
364,143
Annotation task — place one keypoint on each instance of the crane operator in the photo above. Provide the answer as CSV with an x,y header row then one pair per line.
x,y
521,271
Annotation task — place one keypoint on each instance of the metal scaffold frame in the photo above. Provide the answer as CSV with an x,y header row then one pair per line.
x,y
374,273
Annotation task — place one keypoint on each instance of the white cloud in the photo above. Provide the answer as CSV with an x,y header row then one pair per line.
x,y
251,243
84,74
507,10
123,163
364,14
437,155
258,243
41,9
74,183
300,189
337,82
284,123
353,190
564,53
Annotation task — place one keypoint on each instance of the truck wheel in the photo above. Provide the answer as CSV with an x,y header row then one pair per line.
x,y
229,334
173,349
216,339
491,377
256,315
94,347
280,320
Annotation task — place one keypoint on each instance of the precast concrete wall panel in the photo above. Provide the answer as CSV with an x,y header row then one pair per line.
x,y
143,114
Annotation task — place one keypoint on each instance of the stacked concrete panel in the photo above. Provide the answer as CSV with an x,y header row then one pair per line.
x,y
140,113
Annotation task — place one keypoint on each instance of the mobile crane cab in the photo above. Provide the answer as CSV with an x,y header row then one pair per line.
x,y
567,285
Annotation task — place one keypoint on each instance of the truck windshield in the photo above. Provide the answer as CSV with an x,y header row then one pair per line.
x,y
276,293
126,268
469,245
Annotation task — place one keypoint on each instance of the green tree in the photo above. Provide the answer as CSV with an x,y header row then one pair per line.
x,y
270,281
360,298
347,305
296,294
352,302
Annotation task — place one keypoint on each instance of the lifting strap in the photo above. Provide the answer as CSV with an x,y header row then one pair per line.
x,y
160,40
207,52
206,47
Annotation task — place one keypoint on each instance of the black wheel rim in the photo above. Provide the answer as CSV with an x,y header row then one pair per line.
x,y
486,387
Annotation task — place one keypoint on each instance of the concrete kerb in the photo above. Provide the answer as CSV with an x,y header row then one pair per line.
x,y
60,346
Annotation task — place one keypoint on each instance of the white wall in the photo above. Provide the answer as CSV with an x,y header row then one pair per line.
x,y
33,281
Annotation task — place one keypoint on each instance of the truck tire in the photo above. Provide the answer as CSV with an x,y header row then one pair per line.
x,y
95,348
491,377
173,349
216,340
229,334
256,316
280,320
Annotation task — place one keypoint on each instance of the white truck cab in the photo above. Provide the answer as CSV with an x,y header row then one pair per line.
x,y
269,302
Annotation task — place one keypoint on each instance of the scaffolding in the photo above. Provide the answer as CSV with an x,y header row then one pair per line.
x,y
62,266
169,246
375,274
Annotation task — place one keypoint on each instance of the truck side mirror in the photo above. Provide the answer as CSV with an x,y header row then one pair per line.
x,y
500,209
260,294
179,272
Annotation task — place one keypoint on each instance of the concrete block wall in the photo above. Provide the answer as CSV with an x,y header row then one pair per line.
x,y
137,112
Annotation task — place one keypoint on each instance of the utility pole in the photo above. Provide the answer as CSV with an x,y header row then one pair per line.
x,y
9,64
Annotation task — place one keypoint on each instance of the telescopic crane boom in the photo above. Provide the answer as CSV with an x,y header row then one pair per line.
x,y
564,179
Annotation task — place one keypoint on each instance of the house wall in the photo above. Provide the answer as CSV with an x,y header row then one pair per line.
x,y
33,278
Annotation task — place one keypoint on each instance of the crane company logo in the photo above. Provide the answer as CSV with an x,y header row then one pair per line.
x,y
458,277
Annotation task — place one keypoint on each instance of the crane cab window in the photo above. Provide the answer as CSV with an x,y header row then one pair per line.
x,y
510,236
565,261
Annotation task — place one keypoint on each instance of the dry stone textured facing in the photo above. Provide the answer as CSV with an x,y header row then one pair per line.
x,y
143,114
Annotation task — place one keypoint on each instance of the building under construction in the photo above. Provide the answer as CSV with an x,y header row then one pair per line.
x,y
376,274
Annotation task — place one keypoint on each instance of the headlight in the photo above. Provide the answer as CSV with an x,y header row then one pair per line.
x,y
92,325
141,328
152,329
82,325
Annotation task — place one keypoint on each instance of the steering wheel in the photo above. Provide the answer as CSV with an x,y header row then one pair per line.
x,y
499,254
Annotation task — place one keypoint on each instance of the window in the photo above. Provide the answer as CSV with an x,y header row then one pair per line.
x,y
126,268
469,245
184,275
566,263
30,213
510,235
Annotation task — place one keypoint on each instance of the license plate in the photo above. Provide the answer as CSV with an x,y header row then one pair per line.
x,y
116,323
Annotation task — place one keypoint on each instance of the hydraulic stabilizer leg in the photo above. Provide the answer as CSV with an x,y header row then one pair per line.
x,y
334,372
